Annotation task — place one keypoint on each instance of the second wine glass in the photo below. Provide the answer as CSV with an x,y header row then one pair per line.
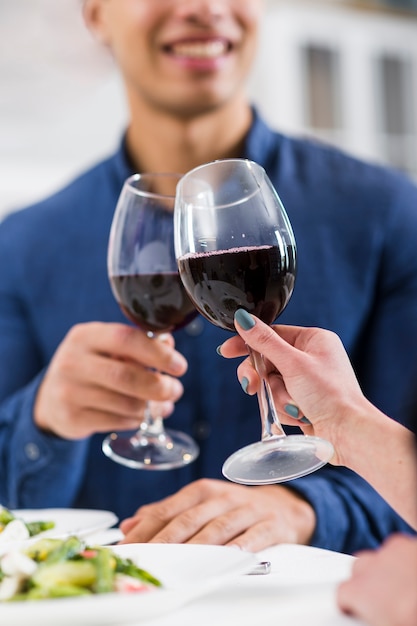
x,y
144,277
236,249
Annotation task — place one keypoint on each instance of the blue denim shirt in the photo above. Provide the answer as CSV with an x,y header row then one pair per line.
x,y
356,231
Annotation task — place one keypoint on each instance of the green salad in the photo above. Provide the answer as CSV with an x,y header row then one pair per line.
x,y
12,527
55,568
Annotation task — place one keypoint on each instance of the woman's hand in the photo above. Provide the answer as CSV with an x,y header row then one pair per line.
x,y
314,387
310,374
382,588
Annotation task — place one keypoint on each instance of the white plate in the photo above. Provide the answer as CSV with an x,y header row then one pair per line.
x,y
186,571
80,522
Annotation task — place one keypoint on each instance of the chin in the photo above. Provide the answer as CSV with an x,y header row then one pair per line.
x,y
204,104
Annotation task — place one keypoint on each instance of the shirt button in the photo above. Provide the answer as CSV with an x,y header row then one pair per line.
x,y
195,327
32,451
201,430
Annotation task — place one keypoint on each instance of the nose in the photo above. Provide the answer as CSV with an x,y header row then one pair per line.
x,y
203,12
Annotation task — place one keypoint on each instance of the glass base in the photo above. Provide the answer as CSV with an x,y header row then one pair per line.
x,y
277,459
165,451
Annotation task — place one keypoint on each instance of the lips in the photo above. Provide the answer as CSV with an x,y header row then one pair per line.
x,y
199,49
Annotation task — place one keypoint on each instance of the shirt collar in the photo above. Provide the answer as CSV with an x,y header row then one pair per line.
x,y
122,163
260,145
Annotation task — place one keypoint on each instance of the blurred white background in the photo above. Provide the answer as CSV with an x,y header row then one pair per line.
x,y
61,105
325,68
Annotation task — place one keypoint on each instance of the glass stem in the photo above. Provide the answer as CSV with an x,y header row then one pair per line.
x,y
152,425
271,425
151,432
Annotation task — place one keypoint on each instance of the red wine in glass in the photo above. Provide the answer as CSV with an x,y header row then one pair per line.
x,y
235,248
157,303
144,278
252,278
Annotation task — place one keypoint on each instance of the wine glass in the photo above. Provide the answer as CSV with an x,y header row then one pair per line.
x,y
236,249
144,277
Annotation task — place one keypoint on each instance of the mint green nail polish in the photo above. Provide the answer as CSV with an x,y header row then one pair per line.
x,y
292,410
244,319
245,384
305,420
219,350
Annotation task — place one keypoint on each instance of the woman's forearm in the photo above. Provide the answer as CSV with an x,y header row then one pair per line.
x,y
383,452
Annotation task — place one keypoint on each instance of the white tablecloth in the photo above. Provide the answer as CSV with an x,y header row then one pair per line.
x,y
299,591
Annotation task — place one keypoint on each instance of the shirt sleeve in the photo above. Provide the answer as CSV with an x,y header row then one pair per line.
x,y
385,359
350,514
38,469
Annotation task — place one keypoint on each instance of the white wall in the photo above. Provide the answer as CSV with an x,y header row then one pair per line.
x,y
360,37
61,106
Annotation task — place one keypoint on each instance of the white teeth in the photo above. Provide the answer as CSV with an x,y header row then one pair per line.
x,y
200,50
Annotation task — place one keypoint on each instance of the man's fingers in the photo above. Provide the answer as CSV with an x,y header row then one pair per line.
x,y
169,508
129,343
252,539
228,527
181,529
91,421
126,377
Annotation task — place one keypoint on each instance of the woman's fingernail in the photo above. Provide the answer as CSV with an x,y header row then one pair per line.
x,y
244,384
244,319
292,410
219,350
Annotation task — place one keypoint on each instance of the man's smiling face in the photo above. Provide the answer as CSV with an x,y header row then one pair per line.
x,y
182,56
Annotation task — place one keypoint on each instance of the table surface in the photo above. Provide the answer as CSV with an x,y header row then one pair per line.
x,y
300,590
